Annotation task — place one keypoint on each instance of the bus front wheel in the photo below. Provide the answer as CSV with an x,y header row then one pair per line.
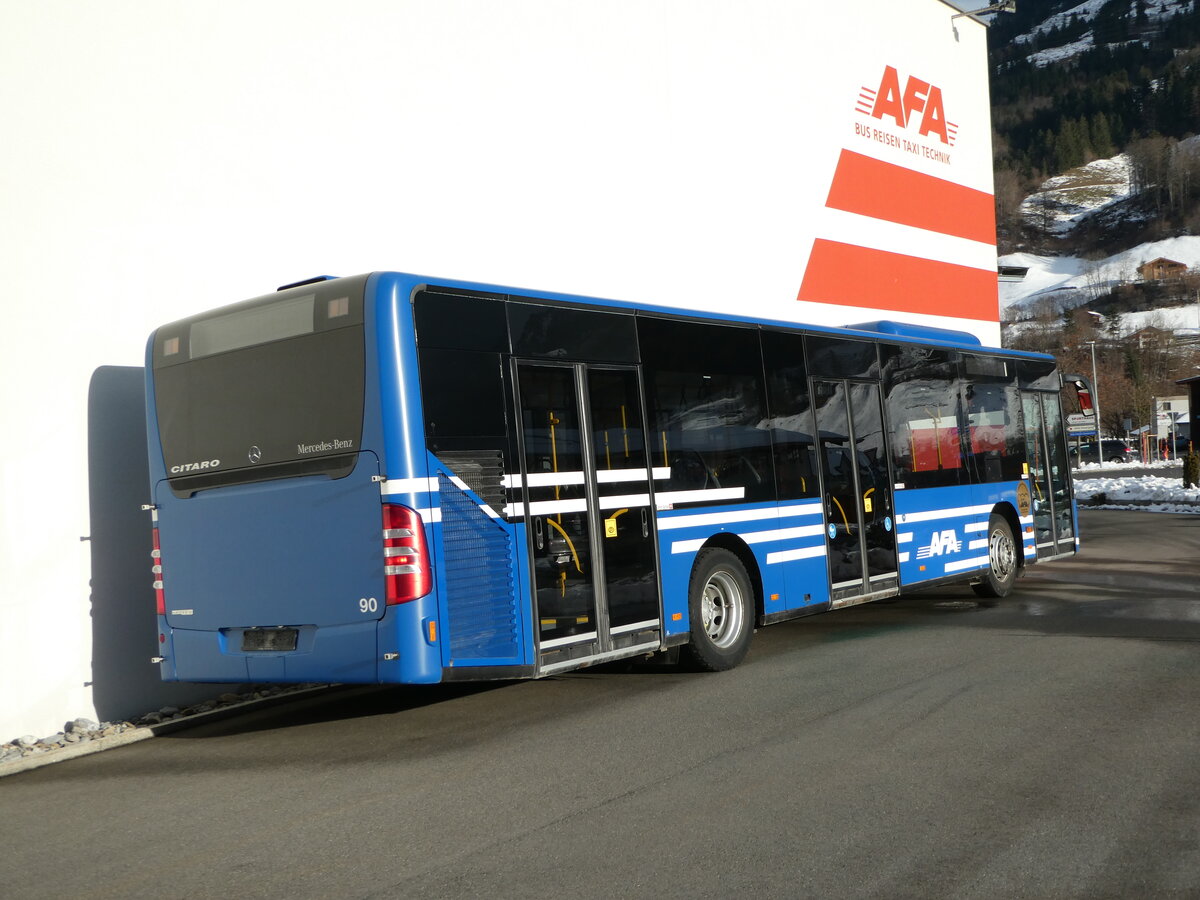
x,y
720,610
1002,560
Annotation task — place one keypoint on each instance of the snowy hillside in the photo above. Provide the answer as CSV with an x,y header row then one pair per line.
x,y
1069,282
1156,12
1066,200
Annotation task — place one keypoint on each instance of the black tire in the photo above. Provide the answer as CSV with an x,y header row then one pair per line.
x,y
720,611
1002,560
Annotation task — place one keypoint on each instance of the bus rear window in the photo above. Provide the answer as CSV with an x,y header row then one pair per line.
x,y
268,389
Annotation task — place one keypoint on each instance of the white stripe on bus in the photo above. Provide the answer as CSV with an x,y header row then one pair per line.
x,y
663,498
904,537
571,639
410,486
740,515
972,563
636,626
957,512
545,507
755,537
902,557
977,545
799,553
603,476
782,534
544,479
975,526
619,500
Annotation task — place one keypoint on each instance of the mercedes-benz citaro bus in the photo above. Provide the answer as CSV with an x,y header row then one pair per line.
x,y
389,478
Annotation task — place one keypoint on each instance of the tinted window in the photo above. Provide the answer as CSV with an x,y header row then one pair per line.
x,y
1038,375
462,393
464,323
840,358
791,416
921,395
707,410
559,333
993,412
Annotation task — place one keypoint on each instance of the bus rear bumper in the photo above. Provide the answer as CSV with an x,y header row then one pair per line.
x,y
392,649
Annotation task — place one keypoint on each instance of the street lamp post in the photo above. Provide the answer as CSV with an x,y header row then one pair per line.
x,y
1096,389
1096,404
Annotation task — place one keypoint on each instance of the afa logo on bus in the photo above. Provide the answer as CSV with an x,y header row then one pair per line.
x,y
941,542
919,102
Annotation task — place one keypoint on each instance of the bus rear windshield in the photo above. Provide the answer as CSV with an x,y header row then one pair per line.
x,y
271,388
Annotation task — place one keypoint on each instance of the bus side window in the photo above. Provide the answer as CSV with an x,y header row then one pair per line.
x,y
921,395
791,415
706,407
993,411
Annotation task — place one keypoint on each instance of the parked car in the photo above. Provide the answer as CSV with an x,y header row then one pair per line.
x,y
1114,451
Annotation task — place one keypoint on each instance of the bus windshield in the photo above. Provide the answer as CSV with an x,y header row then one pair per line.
x,y
267,389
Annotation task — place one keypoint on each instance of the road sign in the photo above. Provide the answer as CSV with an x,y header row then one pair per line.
x,y
1082,419
1087,429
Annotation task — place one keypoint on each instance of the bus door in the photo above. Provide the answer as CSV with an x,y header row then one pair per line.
x,y
859,516
588,512
1049,475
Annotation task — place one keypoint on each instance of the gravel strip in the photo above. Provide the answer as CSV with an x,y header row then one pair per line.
x,y
80,737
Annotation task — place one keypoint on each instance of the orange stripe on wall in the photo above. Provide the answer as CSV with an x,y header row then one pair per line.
x,y
875,279
885,191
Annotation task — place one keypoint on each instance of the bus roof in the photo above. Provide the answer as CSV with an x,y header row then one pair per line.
x,y
902,332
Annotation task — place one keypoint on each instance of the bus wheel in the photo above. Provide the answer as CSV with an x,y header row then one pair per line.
x,y
720,610
1002,560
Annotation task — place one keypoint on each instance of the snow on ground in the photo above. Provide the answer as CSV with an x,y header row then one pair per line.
x,y
1063,201
1150,493
1180,319
1046,275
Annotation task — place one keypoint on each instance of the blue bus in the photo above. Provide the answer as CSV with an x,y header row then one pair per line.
x,y
396,479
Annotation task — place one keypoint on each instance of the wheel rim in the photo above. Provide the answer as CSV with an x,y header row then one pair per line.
x,y
1002,555
721,609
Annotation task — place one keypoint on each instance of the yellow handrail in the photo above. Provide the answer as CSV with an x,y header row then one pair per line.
x,y
570,545
845,521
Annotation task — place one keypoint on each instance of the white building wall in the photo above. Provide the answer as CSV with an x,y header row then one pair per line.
x,y
164,158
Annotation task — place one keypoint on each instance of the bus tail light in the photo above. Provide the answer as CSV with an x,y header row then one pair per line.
x,y
406,556
160,599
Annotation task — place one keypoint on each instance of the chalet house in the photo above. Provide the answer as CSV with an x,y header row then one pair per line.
x,y
1162,269
1152,337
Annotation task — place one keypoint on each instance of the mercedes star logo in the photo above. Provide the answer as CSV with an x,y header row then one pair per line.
x,y
255,455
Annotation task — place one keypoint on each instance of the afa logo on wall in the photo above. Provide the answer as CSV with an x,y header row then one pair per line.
x,y
918,103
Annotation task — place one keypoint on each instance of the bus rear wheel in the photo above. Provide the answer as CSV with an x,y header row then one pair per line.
x,y
720,611
1002,560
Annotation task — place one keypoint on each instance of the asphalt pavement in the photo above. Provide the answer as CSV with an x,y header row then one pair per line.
x,y
929,747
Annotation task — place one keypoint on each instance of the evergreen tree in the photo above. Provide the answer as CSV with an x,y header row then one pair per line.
x,y
1100,135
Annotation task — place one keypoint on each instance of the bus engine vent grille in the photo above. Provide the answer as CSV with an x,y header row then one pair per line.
x,y
482,612
481,470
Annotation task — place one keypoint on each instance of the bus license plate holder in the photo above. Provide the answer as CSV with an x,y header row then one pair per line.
x,y
258,640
